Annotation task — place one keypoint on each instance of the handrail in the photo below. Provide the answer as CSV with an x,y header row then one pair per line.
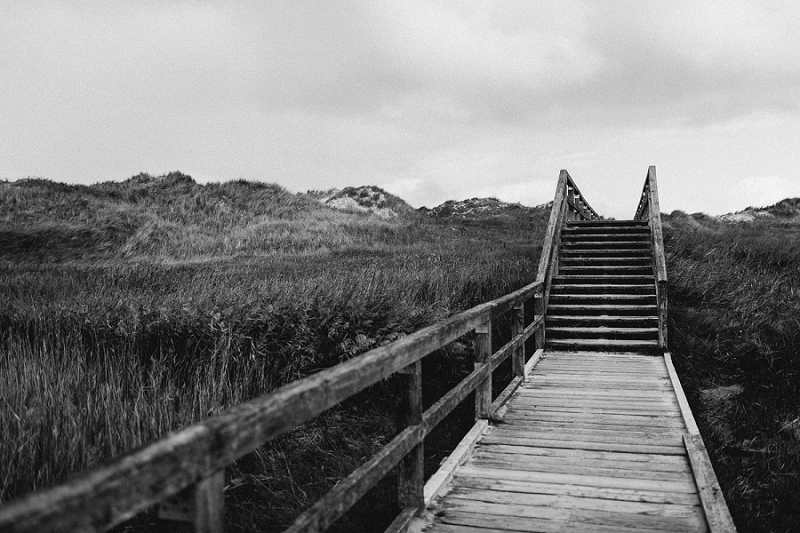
x,y
568,204
650,210
184,471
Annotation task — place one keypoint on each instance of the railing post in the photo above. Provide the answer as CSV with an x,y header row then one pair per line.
x,y
201,504
517,327
663,304
570,203
483,351
538,310
410,478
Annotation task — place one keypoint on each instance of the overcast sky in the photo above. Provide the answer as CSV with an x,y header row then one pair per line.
x,y
429,100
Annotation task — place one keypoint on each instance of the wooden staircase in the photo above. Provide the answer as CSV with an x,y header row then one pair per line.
x,y
603,297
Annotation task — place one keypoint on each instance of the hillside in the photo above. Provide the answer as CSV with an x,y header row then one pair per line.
x,y
367,199
785,210
174,217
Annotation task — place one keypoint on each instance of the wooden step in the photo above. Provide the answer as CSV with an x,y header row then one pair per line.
x,y
601,252
638,299
605,279
605,309
606,261
600,332
607,223
601,288
592,270
605,245
605,345
601,321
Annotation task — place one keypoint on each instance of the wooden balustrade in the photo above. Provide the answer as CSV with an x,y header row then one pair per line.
x,y
650,211
184,472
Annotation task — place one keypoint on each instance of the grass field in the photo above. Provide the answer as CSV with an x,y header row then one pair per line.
x,y
128,310
735,336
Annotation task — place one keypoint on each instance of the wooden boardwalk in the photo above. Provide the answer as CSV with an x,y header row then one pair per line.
x,y
589,442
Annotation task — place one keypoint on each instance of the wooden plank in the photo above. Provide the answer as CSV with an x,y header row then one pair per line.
x,y
561,468
596,434
716,510
561,407
573,502
483,351
632,521
497,409
526,453
653,485
573,403
517,327
461,453
683,403
201,504
582,445
527,390
596,419
577,490
403,520
540,428
533,361
410,471
348,491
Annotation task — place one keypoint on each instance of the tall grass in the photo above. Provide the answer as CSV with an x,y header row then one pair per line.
x,y
735,334
100,356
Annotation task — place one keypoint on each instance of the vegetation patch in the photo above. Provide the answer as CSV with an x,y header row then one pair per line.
x,y
210,295
735,334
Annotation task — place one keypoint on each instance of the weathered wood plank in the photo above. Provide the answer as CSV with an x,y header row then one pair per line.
x,y
461,453
577,490
483,351
604,433
606,471
403,520
683,403
716,510
517,328
631,460
552,501
348,491
497,511
578,479
582,445
410,471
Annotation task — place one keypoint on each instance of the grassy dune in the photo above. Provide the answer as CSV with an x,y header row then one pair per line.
x,y
735,335
128,310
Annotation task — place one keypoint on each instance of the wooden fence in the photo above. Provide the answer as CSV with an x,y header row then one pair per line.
x,y
185,471
650,211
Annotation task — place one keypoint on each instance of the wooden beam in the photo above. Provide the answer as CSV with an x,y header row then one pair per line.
x,y
686,411
439,480
517,327
716,510
348,491
410,473
483,351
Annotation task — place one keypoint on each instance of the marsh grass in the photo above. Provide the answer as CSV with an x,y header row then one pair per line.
x,y
735,335
107,343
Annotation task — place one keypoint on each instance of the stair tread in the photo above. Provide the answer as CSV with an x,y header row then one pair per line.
x,y
604,342
601,329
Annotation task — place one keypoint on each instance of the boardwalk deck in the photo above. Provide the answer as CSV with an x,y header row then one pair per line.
x,y
590,442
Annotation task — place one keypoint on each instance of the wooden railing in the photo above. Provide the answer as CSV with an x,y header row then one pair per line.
x,y
568,204
650,211
184,472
